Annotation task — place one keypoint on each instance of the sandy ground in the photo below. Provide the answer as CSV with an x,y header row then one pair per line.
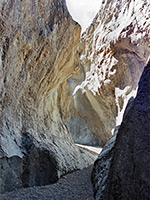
x,y
95,150
74,186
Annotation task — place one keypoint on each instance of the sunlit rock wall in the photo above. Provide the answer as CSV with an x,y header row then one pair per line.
x,y
38,41
113,52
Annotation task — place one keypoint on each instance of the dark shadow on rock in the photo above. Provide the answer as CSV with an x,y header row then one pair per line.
x,y
128,172
37,167
39,164
10,171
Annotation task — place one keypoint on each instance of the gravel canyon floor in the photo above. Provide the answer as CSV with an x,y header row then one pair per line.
x,y
73,186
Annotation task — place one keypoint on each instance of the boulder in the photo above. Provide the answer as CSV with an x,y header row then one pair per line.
x,y
123,170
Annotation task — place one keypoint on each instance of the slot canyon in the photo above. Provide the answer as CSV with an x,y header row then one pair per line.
x,y
62,90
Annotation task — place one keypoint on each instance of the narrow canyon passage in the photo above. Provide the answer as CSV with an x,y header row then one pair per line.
x,y
66,89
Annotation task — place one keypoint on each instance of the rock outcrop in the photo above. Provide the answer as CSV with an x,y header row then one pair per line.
x,y
128,173
113,53
38,42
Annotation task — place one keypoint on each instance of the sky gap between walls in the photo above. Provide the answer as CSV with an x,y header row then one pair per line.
x,y
83,11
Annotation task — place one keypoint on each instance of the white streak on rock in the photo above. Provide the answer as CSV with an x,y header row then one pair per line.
x,y
125,96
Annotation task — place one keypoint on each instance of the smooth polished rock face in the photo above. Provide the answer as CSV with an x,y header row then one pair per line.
x,y
113,52
38,42
128,176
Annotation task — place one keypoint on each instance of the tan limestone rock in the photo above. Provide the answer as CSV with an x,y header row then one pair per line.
x,y
38,41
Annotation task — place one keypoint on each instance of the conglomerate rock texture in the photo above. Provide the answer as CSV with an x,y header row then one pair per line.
x,y
113,52
38,41
128,173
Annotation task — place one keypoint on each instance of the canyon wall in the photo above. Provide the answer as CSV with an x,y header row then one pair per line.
x,y
122,170
38,42
113,52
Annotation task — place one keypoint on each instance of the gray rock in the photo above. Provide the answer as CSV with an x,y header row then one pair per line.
x,y
128,173
102,166
11,169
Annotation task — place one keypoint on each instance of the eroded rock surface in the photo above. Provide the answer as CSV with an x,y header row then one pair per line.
x,y
128,173
38,41
113,53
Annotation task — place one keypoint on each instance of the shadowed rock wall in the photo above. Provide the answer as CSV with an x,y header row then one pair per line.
x,y
127,175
